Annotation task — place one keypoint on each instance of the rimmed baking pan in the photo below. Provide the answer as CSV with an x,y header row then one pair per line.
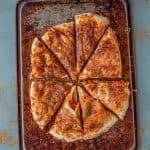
x,y
34,17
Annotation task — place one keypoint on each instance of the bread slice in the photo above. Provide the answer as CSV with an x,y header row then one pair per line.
x,y
89,29
61,40
113,94
44,64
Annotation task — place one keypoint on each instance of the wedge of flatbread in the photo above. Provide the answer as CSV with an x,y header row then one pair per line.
x,y
89,29
67,124
113,94
60,40
46,97
106,60
96,119
44,64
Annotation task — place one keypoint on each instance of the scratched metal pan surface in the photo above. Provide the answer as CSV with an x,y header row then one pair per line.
x,y
34,17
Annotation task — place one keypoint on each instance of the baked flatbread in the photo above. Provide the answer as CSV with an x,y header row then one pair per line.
x,y
106,60
89,29
44,64
96,119
86,51
60,39
46,97
67,124
113,94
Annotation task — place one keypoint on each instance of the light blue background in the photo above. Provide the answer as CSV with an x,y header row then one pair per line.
x,y
140,11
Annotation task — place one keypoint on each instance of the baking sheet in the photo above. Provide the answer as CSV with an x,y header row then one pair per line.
x,y
35,17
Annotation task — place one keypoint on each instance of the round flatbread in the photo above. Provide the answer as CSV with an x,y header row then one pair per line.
x,y
87,52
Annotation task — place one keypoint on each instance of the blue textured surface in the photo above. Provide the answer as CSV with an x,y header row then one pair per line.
x,y
141,27
8,101
140,10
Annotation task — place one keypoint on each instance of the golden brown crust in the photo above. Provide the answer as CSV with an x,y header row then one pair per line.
x,y
44,64
89,29
60,39
106,60
113,94
96,119
46,97
67,124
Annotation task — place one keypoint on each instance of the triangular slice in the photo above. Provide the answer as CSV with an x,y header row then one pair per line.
x,y
113,94
106,60
46,97
67,124
60,39
96,119
89,29
44,64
